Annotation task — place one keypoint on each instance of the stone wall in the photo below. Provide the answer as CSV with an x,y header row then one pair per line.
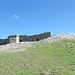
x,y
3,41
37,37
12,39
24,38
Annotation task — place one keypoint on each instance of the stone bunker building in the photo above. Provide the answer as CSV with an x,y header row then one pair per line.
x,y
24,38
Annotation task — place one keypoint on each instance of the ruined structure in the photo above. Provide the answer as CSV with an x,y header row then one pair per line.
x,y
24,38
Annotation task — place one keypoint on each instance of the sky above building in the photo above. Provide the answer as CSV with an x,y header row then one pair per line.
x,y
29,17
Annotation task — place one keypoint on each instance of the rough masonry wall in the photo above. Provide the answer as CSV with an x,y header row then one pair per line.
x,y
3,41
23,38
12,39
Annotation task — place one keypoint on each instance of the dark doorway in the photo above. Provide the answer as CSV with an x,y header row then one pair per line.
x,y
37,39
20,40
5,43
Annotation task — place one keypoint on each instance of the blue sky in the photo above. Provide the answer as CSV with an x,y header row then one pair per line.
x,y
36,16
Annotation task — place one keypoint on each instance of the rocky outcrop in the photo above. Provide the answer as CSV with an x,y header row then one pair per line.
x,y
60,37
16,46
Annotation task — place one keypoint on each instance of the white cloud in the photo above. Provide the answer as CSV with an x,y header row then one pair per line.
x,y
15,16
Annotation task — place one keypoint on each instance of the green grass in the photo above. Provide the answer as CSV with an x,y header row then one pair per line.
x,y
42,58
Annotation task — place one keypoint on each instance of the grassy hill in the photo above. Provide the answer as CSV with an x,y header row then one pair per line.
x,y
42,58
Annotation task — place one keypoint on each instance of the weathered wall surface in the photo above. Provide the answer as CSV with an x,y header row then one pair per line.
x,y
23,38
12,39
3,41
17,38
37,37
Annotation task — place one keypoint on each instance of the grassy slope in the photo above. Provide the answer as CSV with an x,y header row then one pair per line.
x,y
57,58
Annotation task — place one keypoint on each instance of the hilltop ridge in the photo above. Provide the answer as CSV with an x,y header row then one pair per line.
x,y
60,37
66,35
51,39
